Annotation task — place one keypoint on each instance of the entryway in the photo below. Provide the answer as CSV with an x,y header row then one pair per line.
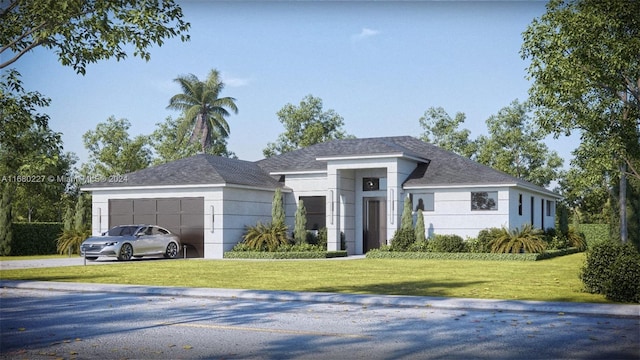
x,y
374,224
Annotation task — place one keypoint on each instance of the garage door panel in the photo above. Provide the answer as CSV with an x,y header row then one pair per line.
x,y
115,220
170,221
192,220
144,206
192,205
144,219
168,206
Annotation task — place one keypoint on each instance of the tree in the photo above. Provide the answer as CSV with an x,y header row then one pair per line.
x,y
442,130
203,109
516,146
300,228
406,220
277,208
420,228
305,125
83,32
586,72
28,147
170,142
112,152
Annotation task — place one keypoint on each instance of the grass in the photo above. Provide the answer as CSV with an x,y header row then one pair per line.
x,y
549,280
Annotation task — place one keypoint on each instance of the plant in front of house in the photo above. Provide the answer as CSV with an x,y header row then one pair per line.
x,y
300,234
447,243
406,235
525,239
266,237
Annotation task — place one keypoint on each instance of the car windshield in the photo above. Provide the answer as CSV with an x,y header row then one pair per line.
x,y
122,230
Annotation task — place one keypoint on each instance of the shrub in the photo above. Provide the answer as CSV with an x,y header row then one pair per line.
x,y
594,233
266,237
71,239
403,239
419,246
525,239
483,243
624,283
576,239
34,238
447,243
612,269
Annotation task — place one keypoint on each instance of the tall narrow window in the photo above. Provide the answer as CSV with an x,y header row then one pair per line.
x,y
520,204
533,205
542,214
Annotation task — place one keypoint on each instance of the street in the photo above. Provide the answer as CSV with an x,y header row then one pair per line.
x,y
45,324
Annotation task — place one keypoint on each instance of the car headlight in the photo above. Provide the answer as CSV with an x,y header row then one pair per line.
x,y
111,243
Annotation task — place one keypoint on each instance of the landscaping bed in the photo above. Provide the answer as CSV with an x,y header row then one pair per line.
x,y
284,254
383,254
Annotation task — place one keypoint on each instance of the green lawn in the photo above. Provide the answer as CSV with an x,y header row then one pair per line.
x,y
548,280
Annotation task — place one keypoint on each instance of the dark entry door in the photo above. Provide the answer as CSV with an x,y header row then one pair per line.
x,y
374,223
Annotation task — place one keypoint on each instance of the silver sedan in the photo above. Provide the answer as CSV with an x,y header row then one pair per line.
x,y
127,241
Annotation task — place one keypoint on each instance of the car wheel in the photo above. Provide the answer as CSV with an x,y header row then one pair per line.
x,y
91,258
172,251
126,252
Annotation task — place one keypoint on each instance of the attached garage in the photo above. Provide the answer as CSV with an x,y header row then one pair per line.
x,y
207,200
182,216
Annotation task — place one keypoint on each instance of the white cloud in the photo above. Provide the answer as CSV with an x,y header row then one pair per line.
x,y
234,81
365,33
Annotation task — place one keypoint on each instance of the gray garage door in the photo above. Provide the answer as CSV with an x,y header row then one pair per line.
x,y
182,216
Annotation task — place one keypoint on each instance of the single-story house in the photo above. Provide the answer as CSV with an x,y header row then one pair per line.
x,y
353,187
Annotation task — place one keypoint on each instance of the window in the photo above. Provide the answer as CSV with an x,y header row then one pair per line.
x,y
422,201
550,208
316,211
484,200
520,204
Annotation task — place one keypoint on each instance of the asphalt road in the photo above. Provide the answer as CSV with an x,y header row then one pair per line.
x,y
49,320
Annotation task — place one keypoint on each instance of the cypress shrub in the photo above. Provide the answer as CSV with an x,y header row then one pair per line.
x,y
35,238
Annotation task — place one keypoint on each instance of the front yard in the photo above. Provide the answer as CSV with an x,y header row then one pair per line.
x,y
549,280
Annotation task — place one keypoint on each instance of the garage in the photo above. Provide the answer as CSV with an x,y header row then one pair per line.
x,y
182,216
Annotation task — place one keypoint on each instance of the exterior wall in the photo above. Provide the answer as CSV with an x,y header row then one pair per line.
x,y
212,208
302,185
242,207
544,220
227,210
452,212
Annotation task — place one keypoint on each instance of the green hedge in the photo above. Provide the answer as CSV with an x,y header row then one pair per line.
x,y
378,254
35,238
283,254
594,233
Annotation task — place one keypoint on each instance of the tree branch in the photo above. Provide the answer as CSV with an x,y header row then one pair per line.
x,y
18,55
8,9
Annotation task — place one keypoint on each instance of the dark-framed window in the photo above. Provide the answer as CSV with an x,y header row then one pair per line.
x,y
484,200
520,204
316,207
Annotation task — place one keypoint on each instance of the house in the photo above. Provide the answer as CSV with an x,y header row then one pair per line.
x,y
353,187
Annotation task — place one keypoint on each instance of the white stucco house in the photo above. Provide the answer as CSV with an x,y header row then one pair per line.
x,y
353,187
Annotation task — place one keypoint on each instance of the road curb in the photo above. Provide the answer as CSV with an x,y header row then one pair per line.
x,y
561,308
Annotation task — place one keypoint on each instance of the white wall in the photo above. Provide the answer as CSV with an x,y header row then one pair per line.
x,y
453,215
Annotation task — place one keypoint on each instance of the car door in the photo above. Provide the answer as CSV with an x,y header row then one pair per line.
x,y
143,241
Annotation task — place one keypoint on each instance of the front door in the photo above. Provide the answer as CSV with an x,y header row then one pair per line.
x,y
374,223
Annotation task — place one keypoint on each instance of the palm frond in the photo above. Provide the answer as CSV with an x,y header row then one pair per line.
x,y
525,239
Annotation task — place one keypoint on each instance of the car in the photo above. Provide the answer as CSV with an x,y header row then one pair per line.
x,y
127,241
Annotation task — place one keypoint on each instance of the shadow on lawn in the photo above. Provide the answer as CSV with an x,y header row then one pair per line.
x,y
414,288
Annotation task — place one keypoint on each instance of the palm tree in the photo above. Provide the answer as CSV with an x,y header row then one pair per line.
x,y
204,111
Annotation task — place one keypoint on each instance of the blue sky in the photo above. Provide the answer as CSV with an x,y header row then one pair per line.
x,y
379,65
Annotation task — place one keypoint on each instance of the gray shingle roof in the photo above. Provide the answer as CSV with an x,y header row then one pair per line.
x,y
439,167
195,170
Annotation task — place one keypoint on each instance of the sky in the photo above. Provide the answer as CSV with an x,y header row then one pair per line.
x,y
379,65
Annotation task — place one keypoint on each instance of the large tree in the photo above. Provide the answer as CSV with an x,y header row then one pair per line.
x,y
513,144
82,32
112,151
305,125
516,146
586,72
171,142
28,148
442,130
203,109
